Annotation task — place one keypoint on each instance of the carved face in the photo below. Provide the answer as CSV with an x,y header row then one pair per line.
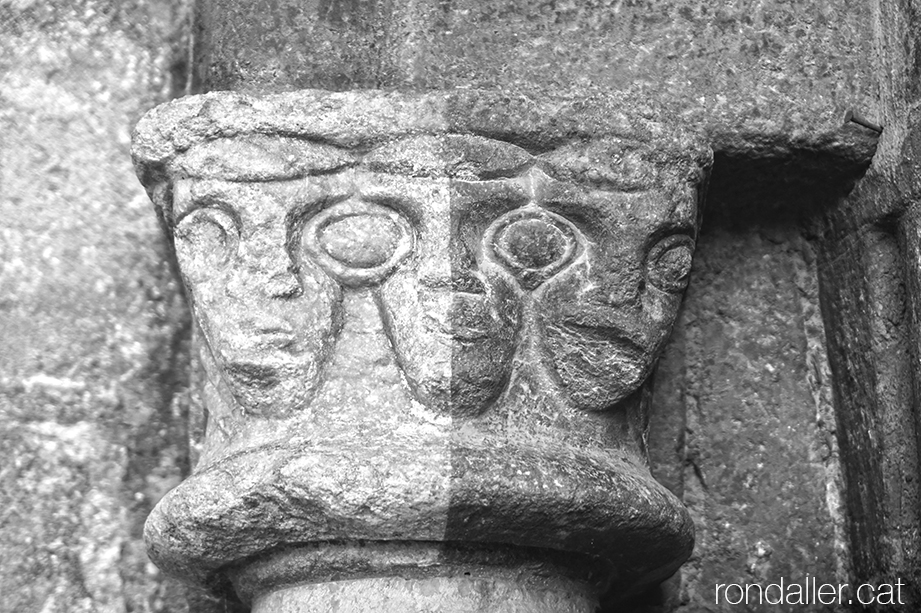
x,y
268,314
451,315
457,237
604,317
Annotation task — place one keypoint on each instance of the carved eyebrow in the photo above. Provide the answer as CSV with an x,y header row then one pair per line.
x,y
312,203
454,156
261,159
201,195
398,200
605,164
300,197
588,208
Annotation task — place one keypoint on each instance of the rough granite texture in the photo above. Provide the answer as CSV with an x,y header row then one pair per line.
x,y
425,318
775,65
397,594
91,363
760,462
88,378
869,278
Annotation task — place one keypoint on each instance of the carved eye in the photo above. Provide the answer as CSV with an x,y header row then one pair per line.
x,y
668,265
360,240
358,243
533,244
206,237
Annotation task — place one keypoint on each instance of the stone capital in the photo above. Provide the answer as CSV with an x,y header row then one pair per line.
x,y
428,323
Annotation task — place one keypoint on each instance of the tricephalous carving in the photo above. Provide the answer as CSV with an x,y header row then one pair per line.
x,y
402,302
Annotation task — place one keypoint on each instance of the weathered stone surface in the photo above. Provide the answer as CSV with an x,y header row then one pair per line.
x,y
63,519
467,595
475,380
769,66
743,422
868,265
818,67
866,277
758,402
91,431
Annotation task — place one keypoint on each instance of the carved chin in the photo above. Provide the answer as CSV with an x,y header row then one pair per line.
x,y
458,369
455,348
270,390
596,368
465,384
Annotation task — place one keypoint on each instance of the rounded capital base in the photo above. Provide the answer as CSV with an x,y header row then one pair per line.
x,y
427,595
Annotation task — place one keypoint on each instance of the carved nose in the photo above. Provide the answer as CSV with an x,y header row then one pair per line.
x,y
621,290
273,273
283,284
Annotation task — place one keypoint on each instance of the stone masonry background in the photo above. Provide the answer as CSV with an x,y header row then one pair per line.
x,y
95,409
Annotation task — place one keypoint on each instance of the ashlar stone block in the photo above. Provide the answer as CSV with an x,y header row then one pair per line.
x,y
428,324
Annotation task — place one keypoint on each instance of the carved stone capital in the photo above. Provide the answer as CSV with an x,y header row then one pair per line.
x,y
427,323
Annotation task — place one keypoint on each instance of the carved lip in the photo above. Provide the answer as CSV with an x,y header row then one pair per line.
x,y
465,333
605,335
269,350
276,339
600,325
267,333
252,374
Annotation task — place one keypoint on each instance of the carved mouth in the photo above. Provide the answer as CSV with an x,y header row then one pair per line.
x,y
276,340
600,326
594,334
464,333
253,375
258,335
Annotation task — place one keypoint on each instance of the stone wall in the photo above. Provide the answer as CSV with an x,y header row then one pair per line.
x,y
94,404
93,323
